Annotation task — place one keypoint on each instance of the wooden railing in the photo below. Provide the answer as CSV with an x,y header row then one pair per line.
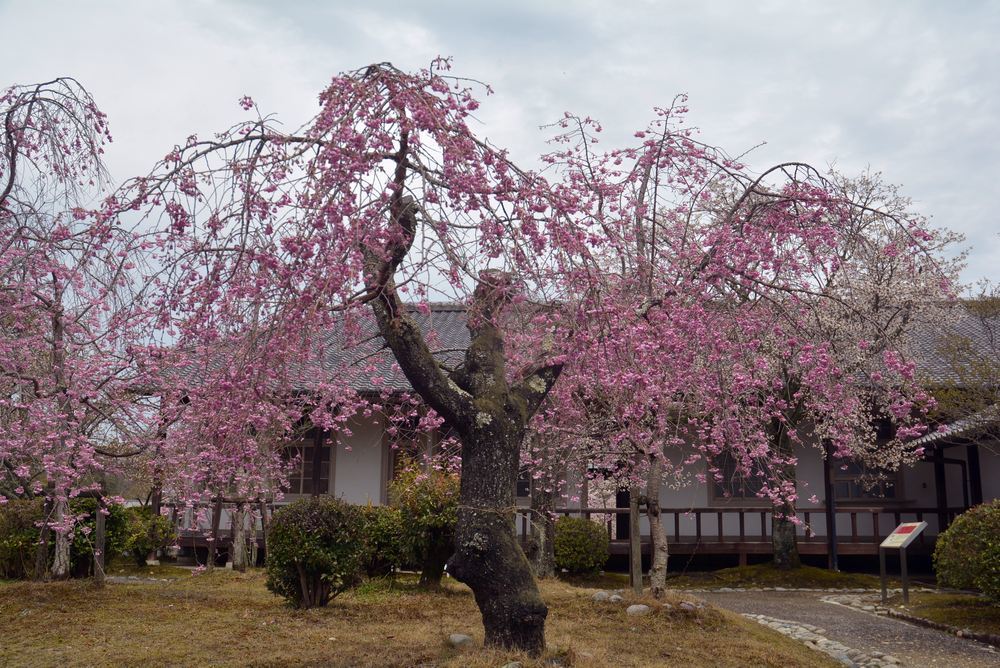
x,y
813,521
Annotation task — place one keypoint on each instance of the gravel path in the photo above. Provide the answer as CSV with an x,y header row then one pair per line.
x,y
913,645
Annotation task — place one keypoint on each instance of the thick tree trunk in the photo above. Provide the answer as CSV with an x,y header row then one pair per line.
x,y
487,555
543,527
60,563
658,537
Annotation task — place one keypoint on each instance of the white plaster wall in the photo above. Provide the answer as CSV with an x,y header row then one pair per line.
x,y
358,466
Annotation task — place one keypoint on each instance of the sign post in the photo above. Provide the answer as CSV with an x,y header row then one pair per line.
x,y
899,539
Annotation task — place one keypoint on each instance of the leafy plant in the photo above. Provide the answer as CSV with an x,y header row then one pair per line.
x,y
967,554
428,501
81,554
581,546
388,541
316,550
146,532
19,519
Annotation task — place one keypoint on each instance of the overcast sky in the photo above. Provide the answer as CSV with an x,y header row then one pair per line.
x,y
909,88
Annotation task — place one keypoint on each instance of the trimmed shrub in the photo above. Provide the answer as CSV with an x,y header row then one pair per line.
x,y
428,501
967,553
146,532
581,546
315,550
389,547
19,532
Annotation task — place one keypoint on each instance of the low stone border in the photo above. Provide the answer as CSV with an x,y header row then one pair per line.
x,y
813,638
873,603
815,590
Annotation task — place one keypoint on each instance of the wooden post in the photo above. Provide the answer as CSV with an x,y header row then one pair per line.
x,y
99,540
975,474
634,542
941,489
903,575
213,544
319,441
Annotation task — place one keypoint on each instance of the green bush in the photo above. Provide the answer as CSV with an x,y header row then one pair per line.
x,y
146,532
428,501
81,551
967,554
19,520
315,550
581,546
389,547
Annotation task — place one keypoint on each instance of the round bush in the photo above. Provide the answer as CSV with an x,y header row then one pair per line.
x,y
967,554
19,520
389,547
315,550
581,546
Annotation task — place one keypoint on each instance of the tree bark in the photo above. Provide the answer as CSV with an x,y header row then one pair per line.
x,y
60,563
634,541
42,551
659,549
99,541
543,527
238,547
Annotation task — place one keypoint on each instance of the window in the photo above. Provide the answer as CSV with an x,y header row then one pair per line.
x,y
300,478
853,481
735,484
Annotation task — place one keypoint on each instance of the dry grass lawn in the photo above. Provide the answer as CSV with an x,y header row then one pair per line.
x,y
231,619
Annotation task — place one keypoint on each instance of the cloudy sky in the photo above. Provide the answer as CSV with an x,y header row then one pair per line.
x,y
909,88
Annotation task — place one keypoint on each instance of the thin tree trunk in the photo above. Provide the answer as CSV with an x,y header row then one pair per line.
x,y
543,527
659,549
60,563
42,551
99,540
238,546
634,541
784,544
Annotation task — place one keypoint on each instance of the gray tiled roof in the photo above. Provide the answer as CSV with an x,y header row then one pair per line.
x,y
932,344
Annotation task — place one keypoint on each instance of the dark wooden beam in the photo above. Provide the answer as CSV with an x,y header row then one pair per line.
x,y
975,474
831,507
319,441
940,488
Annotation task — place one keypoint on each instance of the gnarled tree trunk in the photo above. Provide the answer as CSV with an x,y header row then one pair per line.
x,y
238,524
60,562
657,536
439,548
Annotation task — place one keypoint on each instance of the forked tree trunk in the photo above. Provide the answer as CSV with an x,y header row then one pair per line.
x,y
657,536
543,527
635,540
784,544
60,562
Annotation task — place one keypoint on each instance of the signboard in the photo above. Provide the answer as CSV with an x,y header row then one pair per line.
x,y
903,535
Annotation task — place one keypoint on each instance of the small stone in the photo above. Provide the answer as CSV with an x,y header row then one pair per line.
x,y
780,589
637,610
459,640
690,607
601,596
615,598
512,664
726,589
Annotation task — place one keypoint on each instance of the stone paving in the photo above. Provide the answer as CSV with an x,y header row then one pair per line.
x,y
855,637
